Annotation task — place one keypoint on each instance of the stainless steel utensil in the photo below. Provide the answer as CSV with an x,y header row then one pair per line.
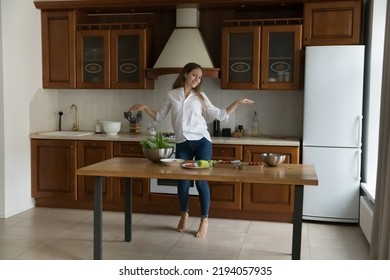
x,y
271,159
156,155
133,119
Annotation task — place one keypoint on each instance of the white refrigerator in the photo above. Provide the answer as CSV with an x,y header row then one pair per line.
x,y
332,129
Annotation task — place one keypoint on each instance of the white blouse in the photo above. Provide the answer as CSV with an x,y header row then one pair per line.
x,y
187,118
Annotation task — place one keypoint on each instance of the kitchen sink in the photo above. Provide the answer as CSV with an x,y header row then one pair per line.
x,y
65,133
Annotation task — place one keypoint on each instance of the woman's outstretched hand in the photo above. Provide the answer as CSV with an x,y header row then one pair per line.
x,y
245,101
238,102
137,107
145,108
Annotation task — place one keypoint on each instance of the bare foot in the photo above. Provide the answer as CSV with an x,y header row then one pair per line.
x,y
204,223
182,223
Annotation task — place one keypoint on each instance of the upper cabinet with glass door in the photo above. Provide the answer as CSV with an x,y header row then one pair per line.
x,y
281,56
112,59
128,59
240,63
93,59
261,57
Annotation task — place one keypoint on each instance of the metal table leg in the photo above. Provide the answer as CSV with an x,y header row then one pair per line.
x,y
128,209
97,217
297,223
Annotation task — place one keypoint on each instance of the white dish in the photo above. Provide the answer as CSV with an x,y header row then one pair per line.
x,y
172,161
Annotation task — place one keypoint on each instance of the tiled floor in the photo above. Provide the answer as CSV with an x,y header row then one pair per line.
x,y
65,234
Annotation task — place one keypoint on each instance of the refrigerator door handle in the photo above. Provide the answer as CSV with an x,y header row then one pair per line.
x,y
358,164
360,126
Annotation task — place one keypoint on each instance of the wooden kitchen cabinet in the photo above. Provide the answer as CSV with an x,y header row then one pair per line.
x,y
140,187
58,49
113,58
55,184
90,152
240,61
53,169
281,47
261,57
93,59
332,23
272,201
224,195
128,149
227,152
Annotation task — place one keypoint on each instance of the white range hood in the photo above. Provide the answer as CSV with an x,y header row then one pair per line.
x,y
185,45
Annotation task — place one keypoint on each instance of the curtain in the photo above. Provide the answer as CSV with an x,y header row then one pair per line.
x,y
380,238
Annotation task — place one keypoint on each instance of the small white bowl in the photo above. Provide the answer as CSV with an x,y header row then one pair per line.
x,y
111,127
172,161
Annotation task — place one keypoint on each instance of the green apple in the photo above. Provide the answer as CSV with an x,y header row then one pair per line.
x,y
203,163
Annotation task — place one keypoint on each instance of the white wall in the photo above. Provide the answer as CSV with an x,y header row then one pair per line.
x,y
280,112
374,40
21,78
2,182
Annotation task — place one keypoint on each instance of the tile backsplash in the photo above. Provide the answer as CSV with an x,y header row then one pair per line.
x,y
279,112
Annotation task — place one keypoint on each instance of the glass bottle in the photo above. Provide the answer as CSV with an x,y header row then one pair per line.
x,y
152,129
98,127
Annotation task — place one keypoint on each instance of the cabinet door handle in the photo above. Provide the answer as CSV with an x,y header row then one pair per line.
x,y
360,125
358,165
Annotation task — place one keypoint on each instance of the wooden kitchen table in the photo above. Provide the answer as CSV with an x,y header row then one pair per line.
x,y
289,174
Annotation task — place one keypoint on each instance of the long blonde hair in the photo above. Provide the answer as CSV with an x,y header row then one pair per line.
x,y
180,80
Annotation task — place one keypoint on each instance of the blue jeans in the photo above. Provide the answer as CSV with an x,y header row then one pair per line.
x,y
188,150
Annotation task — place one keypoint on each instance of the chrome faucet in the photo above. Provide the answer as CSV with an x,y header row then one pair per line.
x,y
75,126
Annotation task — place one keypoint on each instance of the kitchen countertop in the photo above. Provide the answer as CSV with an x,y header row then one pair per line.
x,y
245,140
